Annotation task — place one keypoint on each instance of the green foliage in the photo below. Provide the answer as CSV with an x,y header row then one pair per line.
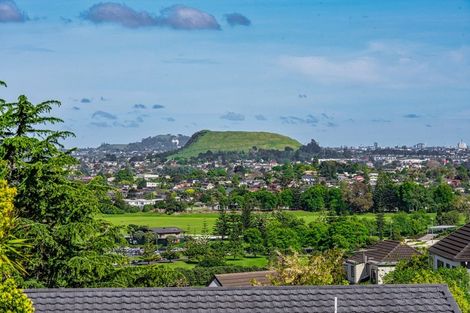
x,y
266,200
328,170
418,271
359,197
124,175
380,223
386,194
443,197
56,214
347,234
196,249
11,247
325,268
286,198
161,276
253,241
282,239
409,224
316,236
12,299
448,218
313,199
414,197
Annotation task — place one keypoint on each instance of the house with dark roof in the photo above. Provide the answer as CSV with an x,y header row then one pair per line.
x,y
453,250
245,279
299,299
164,232
374,262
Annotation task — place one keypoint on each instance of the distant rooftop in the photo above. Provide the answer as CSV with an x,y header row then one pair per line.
x,y
387,251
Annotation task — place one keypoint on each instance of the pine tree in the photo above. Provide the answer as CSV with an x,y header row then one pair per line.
x,y
69,246
380,222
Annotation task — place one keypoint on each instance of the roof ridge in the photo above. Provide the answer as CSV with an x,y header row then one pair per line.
x,y
137,289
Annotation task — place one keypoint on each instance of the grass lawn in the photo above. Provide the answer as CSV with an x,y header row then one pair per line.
x,y
193,223
248,262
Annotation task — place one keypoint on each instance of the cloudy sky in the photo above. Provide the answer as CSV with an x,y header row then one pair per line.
x,y
342,72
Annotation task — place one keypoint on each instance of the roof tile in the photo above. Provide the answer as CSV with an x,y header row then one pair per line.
x,y
354,299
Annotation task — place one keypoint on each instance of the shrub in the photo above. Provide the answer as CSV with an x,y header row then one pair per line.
x,y
13,300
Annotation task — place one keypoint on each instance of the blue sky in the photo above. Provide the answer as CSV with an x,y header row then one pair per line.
x,y
342,72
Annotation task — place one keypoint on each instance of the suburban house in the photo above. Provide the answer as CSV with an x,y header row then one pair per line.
x,y
300,299
453,250
245,279
374,262
164,232
140,202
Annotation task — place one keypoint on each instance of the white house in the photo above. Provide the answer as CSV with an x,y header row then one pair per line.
x,y
150,184
453,250
140,202
374,262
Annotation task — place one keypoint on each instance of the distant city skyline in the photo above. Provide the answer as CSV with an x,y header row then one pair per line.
x,y
341,72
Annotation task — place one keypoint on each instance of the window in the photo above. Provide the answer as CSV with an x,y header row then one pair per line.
x,y
352,270
373,276
440,263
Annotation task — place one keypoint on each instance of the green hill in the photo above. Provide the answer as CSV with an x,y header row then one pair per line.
x,y
238,141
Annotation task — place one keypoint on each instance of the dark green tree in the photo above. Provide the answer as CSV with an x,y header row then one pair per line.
x,y
70,247
385,195
443,197
235,235
221,227
414,197
253,241
380,223
313,199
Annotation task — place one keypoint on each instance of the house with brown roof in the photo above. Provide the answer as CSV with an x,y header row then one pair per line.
x,y
245,279
374,262
453,250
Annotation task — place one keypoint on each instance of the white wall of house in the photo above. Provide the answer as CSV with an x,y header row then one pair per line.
x,y
436,262
356,272
381,272
139,202
214,283
360,272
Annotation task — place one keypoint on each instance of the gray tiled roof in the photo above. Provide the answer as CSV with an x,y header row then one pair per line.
x,y
385,251
308,299
455,246
167,230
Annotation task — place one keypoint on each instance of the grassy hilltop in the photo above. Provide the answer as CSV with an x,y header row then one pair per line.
x,y
215,141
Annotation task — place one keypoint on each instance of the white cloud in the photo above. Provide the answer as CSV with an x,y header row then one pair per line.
x,y
360,70
388,65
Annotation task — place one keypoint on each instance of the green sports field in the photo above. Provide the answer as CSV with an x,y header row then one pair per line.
x,y
193,223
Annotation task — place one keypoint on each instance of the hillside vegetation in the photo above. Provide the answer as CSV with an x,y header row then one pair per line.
x,y
159,143
239,141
